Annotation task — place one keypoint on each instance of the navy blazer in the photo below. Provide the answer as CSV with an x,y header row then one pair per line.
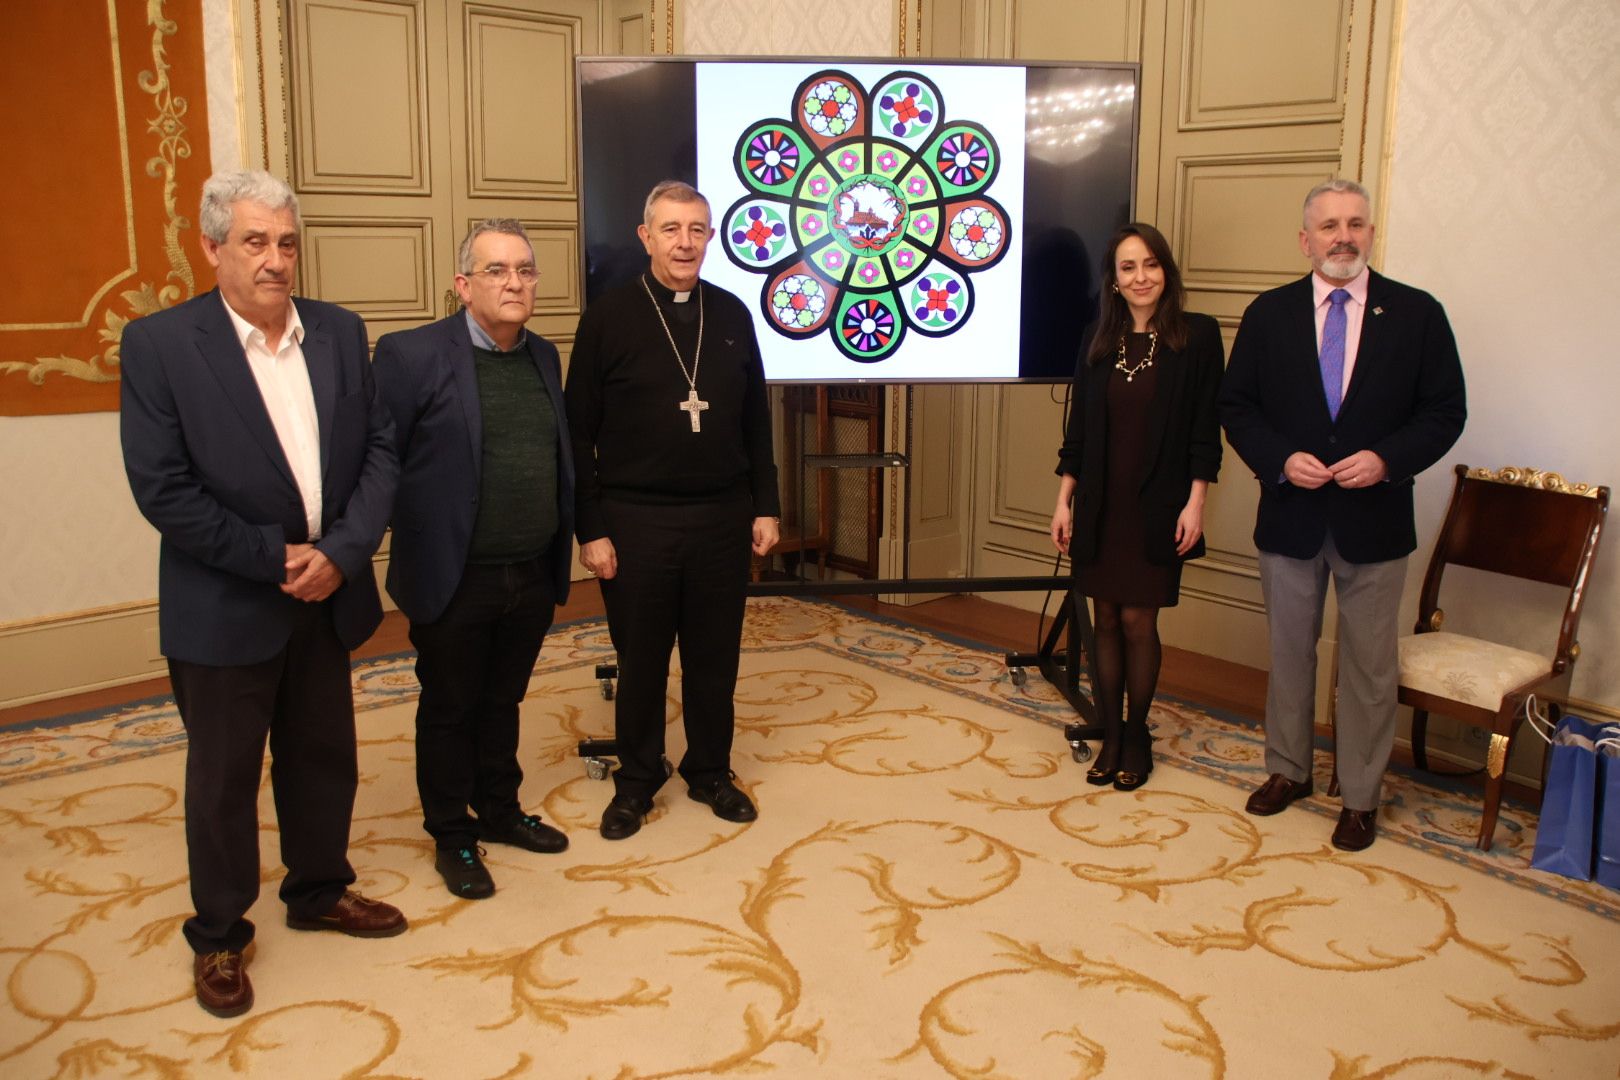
x,y
207,469
428,380
1405,402
1183,442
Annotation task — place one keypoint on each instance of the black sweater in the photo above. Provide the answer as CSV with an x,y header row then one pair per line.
x,y
631,440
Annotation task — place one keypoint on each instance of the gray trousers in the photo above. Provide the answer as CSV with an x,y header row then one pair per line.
x,y
1369,596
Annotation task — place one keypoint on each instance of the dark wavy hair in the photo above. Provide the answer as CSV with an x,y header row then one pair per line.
x,y
1114,321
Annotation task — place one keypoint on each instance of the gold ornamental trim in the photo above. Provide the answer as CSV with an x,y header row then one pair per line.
x,y
170,129
1523,476
1437,619
1496,757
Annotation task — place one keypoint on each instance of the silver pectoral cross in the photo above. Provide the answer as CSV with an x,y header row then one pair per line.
x,y
691,407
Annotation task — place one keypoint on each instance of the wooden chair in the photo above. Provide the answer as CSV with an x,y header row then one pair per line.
x,y
1520,523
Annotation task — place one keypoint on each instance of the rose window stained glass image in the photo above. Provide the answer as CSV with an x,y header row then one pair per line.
x,y
867,212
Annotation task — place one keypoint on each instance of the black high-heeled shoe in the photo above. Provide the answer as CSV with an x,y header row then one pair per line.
x,y
1107,765
1135,758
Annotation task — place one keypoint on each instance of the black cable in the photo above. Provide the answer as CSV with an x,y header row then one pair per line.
x,y
1057,561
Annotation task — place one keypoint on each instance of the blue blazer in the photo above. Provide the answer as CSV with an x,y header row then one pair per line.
x,y
427,379
207,470
1405,402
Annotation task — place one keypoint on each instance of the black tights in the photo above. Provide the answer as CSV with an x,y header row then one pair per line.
x,y
1127,662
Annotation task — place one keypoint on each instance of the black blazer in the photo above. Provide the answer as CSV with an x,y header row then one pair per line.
x,y
428,381
206,468
1181,424
1405,402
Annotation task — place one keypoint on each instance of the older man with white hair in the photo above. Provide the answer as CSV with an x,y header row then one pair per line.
x,y
256,444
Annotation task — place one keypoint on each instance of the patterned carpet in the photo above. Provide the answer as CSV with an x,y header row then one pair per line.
x,y
931,890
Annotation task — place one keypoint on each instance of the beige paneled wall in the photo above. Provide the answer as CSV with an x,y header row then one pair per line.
x,y
1500,200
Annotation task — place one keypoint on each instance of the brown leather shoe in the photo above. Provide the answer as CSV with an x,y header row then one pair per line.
x,y
1273,796
222,983
356,916
1356,831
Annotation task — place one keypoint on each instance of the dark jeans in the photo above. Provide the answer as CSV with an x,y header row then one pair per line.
x,y
682,575
301,700
474,663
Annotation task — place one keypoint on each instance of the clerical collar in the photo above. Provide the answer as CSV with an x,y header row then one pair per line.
x,y
482,339
665,294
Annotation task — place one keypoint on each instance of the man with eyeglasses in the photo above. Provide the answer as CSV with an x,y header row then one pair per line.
x,y
482,543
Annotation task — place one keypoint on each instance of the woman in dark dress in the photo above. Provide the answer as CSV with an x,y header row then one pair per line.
x,y
1141,449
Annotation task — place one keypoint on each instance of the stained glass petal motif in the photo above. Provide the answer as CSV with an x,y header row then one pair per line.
x,y
965,158
939,300
756,233
908,106
770,157
797,302
869,327
975,234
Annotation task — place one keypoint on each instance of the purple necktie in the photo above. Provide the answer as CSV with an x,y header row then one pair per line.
x,y
1333,351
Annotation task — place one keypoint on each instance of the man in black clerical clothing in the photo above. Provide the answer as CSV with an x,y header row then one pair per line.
x,y
256,444
672,433
483,542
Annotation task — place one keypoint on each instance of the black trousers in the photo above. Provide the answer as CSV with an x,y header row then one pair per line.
x,y
474,663
682,574
301,699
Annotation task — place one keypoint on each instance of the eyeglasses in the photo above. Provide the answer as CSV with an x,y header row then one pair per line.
x,y
499,274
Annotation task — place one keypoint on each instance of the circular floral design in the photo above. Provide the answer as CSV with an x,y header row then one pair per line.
x,y
868,212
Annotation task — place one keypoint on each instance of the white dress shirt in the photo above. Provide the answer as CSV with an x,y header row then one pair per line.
x,y
1354,309
283,380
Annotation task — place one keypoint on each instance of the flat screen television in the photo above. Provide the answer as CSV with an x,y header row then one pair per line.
x,y
885,220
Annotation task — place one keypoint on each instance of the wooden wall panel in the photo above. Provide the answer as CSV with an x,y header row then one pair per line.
x,y
1253,62
359,84
378,268
519,80
556,254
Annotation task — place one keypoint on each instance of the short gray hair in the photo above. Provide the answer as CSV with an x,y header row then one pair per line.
x,y
1339,185
225,189
675,191
504,225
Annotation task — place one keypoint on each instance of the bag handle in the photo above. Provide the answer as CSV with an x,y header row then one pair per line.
x,y
1538,720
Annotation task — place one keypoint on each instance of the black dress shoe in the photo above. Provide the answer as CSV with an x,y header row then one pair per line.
x,y
1356,831
622,817
464,873
525,831
725,798
1273,796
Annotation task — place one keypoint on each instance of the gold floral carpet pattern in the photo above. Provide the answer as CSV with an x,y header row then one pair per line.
x,y
931,890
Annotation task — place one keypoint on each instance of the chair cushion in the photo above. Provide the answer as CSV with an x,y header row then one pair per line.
x,y
1470,670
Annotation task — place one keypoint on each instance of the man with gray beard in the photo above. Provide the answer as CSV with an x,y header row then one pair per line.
x,y
1342,387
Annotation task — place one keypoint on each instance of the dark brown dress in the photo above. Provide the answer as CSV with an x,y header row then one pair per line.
x,y
1121,573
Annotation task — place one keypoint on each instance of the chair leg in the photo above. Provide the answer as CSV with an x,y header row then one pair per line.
x,y
1493,803
1420,736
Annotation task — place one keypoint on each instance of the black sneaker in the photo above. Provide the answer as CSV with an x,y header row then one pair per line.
x,y
463,872
525,831
725,798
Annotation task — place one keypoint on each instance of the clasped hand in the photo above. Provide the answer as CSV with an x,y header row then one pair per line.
x,y
311,576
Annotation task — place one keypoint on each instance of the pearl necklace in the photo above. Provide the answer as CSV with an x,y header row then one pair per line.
x,y
1147,361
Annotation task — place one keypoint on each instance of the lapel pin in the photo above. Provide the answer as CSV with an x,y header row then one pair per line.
x,y
1378,311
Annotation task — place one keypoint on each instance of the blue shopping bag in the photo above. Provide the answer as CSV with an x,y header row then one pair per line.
x,y
1607,870
1566,838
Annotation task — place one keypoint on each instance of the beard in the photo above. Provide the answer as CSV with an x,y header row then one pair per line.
x,y
1342,264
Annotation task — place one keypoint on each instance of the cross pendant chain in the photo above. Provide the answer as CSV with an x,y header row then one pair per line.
x,y
692,406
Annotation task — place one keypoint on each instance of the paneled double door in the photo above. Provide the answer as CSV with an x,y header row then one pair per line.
x,y
411,119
